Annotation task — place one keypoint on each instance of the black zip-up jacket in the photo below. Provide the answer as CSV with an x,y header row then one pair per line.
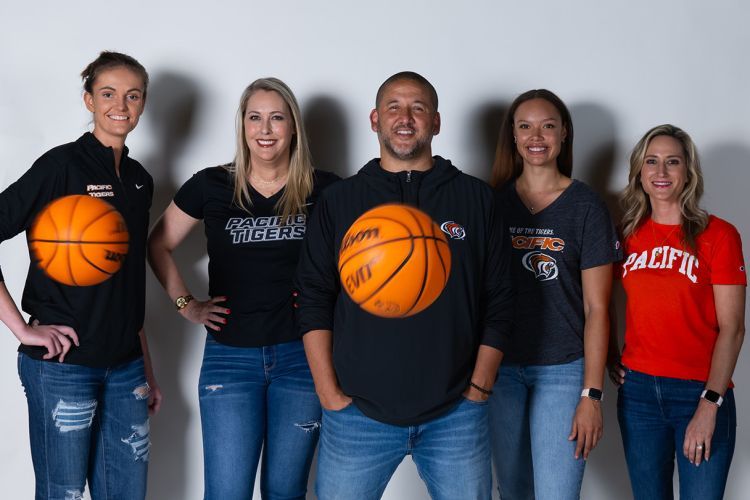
x,y
107,316
410,370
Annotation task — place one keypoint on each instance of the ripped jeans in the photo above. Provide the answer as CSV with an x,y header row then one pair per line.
x,y
87,423
254,398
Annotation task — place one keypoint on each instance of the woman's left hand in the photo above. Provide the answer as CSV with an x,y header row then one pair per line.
x,y
700,430
588,427
154,397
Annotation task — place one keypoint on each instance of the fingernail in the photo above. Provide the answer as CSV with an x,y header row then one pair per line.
x,y
228,311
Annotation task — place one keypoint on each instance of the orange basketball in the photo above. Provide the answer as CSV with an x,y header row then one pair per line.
x,y
394,261
79,240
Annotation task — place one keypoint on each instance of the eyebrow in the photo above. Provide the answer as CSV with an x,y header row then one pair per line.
x,y
107,87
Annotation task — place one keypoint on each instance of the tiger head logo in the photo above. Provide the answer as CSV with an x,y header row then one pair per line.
x,y
453,229
542,265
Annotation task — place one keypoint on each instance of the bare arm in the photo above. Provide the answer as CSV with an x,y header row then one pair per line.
x,y
587,425
170,230
485,372
154,396
57,339
319,351
730,313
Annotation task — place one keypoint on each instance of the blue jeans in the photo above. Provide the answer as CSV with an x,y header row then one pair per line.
x,y
87,423
358,455
531,414
254,398
654,413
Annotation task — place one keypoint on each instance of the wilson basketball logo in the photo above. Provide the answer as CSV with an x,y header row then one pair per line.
x,y
542,265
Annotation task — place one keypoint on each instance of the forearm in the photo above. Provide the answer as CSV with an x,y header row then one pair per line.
x,y
596,334
486,366
724,359
9,313
148,367
319,352
165,268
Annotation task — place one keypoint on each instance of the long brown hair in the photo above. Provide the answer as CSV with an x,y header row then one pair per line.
x,y
299,182
635,201
508,163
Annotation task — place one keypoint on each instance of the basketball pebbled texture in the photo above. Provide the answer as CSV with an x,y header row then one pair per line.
x,y
78,240
394,261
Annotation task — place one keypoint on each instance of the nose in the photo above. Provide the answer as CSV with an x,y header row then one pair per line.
x,y
661,168
123,103
266,126
406,116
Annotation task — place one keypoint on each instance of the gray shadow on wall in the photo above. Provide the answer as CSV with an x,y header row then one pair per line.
x,y
328,133
595,151
481,140
595,155
173,103
726,172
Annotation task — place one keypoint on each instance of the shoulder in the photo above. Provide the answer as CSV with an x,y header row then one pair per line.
x,y
718,228
585,193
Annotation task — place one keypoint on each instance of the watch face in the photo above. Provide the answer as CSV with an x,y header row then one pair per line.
x,y
711,396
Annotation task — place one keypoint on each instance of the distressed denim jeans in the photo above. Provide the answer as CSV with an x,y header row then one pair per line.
x,y
654,413
254,398
87,423
531,414
358,455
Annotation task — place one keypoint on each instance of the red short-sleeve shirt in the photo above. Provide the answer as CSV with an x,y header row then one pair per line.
x,y
671,324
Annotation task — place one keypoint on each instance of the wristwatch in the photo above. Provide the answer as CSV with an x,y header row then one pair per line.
x,y
712,397
592,393
182,301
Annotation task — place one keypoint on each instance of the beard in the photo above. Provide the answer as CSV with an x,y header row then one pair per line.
x,y
406,152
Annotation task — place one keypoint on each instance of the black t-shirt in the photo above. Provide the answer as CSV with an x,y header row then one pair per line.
x,y
550,249
252,256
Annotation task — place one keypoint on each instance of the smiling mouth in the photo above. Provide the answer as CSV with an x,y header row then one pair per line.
x,y
118,118
265,143
661,184
537,149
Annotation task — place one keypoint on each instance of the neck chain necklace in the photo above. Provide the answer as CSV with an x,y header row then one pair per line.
x,y
265,182
658,251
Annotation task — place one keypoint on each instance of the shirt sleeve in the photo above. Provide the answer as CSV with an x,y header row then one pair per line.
x,y
600,244
24,199
317,283
190,197
727,263
498,289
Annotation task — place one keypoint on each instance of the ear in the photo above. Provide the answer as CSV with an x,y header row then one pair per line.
x,y
436,124
374,120
564,134
88,100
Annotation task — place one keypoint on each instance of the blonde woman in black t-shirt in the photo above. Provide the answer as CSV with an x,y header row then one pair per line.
x,y
545,415
255,387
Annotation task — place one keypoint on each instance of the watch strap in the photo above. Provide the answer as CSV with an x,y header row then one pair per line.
x,y
712,397
592,393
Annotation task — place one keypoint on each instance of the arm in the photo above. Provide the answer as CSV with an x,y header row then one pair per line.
x,y
57,339
485,372
614,366
319,351
154,396
730,313
170,230
587,423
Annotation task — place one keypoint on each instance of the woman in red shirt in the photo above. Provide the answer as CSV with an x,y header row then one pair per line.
x,y
684,278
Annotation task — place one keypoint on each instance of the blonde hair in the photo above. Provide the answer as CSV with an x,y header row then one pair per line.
x,y
635,202
299,182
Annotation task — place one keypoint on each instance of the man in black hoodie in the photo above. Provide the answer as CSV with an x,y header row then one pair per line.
x,y
415,385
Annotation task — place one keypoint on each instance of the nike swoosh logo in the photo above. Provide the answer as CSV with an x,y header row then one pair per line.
x,y
138,187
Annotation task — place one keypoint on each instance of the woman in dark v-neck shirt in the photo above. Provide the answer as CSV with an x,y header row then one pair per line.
x,y
545,414
255,387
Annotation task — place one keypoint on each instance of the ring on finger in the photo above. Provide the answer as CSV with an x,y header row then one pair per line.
x,y
698,446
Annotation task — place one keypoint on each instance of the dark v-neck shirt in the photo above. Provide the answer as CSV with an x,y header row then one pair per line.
x,y
550,249
252,256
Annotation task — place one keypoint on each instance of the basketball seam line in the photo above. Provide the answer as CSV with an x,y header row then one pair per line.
x,y
394,273
426,263
403,238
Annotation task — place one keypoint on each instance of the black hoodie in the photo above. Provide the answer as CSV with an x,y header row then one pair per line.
x,y
107,316
410,370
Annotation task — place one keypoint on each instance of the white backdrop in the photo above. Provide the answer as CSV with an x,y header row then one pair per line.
x,y
621,67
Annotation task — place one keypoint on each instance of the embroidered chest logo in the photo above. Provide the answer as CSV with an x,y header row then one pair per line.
x,y
453,229
100,190
255,229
